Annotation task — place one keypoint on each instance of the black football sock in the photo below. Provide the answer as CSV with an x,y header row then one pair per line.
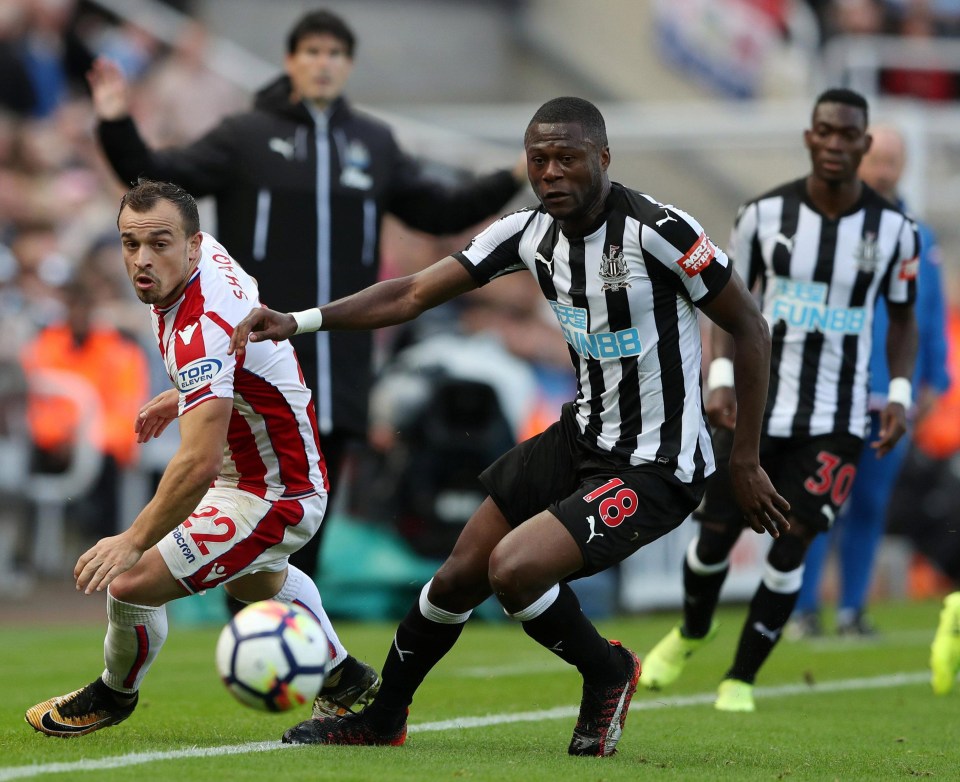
x,y
560,626
769,612
702,583
418,645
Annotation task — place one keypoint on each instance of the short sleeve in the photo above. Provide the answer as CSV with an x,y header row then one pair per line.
x,y
204,370
743,238
495,251
683,248
901,283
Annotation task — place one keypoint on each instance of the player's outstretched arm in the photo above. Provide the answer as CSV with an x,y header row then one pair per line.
x,y
259,325
385,304
735,311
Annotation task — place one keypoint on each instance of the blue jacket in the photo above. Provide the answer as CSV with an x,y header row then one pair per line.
x,y
931,366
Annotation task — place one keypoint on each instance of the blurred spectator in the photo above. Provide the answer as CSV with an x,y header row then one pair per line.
x,y
924,509
115,367
40,269
17,93
919,22
944,15
180,82
853,17
54,57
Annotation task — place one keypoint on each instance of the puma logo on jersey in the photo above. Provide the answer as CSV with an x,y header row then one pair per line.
x,y
549,264
591,522
186,333
667,219
786,241
282,147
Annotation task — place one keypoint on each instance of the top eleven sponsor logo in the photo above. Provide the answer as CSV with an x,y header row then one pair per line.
x,y
198,373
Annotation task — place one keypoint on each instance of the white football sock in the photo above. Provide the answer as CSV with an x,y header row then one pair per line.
x,y
300,589
538,606
435,614
134,637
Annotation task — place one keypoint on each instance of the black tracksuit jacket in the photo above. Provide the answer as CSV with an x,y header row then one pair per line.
x,y
300,206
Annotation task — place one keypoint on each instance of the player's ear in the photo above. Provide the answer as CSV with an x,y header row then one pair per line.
x,y
193,246
605,158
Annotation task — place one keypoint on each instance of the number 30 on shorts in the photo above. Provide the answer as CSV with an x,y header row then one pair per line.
x,y
837,482
614,509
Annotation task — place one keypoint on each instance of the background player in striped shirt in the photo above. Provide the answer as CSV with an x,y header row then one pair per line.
x,y
628,459
860,524
820,250
246,488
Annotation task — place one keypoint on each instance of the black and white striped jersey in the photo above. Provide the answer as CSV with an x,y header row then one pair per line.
x,y
624,297
819,280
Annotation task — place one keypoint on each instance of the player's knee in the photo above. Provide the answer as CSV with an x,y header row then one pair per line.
x,y
504,571
459,586
715,542
787,553
444,585
127,588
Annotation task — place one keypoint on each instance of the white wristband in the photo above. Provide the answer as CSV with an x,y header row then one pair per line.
x,y
308,320
901,392
720,374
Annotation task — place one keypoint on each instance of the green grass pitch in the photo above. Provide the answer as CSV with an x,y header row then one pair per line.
x,y
826,710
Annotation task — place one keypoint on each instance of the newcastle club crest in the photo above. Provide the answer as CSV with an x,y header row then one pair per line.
x,y
867,253
613,270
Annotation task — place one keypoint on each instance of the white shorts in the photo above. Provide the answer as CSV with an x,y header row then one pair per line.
x,y
233,533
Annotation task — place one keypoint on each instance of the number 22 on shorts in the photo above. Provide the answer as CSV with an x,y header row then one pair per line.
x,y
202,538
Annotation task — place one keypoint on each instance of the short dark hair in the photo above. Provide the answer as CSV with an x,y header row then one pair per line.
x,y
147,193
846,96
568,109
321,23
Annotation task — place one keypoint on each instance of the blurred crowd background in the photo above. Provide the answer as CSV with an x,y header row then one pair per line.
x,y
706,101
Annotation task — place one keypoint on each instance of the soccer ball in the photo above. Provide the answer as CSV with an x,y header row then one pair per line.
x,y
273,656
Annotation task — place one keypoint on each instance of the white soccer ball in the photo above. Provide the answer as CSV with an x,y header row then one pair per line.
x,y
273,656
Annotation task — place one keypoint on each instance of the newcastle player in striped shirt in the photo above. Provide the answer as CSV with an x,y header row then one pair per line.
x,y
820,250
628,459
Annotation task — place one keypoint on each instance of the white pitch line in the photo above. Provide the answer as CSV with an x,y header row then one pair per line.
x,y
459,723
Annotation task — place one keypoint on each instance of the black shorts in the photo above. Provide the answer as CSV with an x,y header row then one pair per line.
x,y
814,474
611,509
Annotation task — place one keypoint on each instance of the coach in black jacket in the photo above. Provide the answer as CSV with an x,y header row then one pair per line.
x,y
301,184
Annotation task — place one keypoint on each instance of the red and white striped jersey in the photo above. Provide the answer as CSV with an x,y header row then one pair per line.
x,y
273,444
